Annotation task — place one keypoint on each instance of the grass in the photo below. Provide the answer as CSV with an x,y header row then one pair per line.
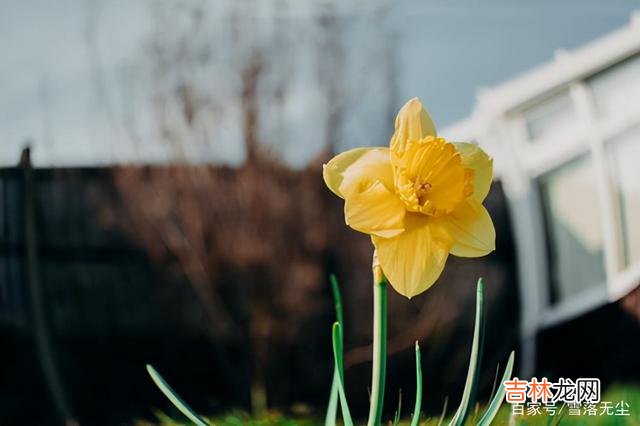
x,y
614,394
237,418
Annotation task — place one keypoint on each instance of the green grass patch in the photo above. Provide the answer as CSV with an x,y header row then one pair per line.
x,y
614,394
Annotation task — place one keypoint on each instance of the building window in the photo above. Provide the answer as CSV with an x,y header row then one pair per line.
x,y
623,156
549,116
616,90
575,240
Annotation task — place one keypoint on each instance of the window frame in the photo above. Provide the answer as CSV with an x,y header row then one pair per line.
x,y
590,136
597,287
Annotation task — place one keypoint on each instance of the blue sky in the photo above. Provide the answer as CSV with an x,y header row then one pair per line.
x,y
62,66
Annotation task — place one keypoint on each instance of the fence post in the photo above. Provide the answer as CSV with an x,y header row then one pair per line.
x,y
44,346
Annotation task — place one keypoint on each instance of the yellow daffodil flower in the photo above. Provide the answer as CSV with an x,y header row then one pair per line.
x,y
420,199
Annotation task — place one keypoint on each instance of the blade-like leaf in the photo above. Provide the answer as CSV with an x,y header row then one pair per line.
x,y
175,398
337,355
332,408
470,387
415,420
337,299
444,411
497,400
398,413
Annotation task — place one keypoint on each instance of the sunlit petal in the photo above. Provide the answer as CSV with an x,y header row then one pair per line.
x,y
375,211
373,166
474,158
413,260
412,123
333,170
358,167
471,230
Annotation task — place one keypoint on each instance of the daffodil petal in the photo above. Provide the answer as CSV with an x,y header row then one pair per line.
x,y
413,260
358,164
333,170
470,229
371,167
413,122
473,157
375,211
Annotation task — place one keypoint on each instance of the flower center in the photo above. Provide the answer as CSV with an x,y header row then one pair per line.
x,y
430,178
422,190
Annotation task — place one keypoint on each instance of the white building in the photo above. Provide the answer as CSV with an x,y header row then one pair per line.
x,y
566,142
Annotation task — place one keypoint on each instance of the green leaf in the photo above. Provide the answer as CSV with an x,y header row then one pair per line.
x,y
337,299
415,420
332,408
175,398
398,413
471,385
337,355
497,400
444,411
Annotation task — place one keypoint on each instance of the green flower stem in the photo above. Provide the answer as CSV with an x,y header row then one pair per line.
x,y
332,409
379,345
415,421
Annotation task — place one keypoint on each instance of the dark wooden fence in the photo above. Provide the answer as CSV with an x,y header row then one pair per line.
x,y
82,308
13,302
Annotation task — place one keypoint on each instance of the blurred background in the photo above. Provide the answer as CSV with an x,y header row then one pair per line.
x,y
161,199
